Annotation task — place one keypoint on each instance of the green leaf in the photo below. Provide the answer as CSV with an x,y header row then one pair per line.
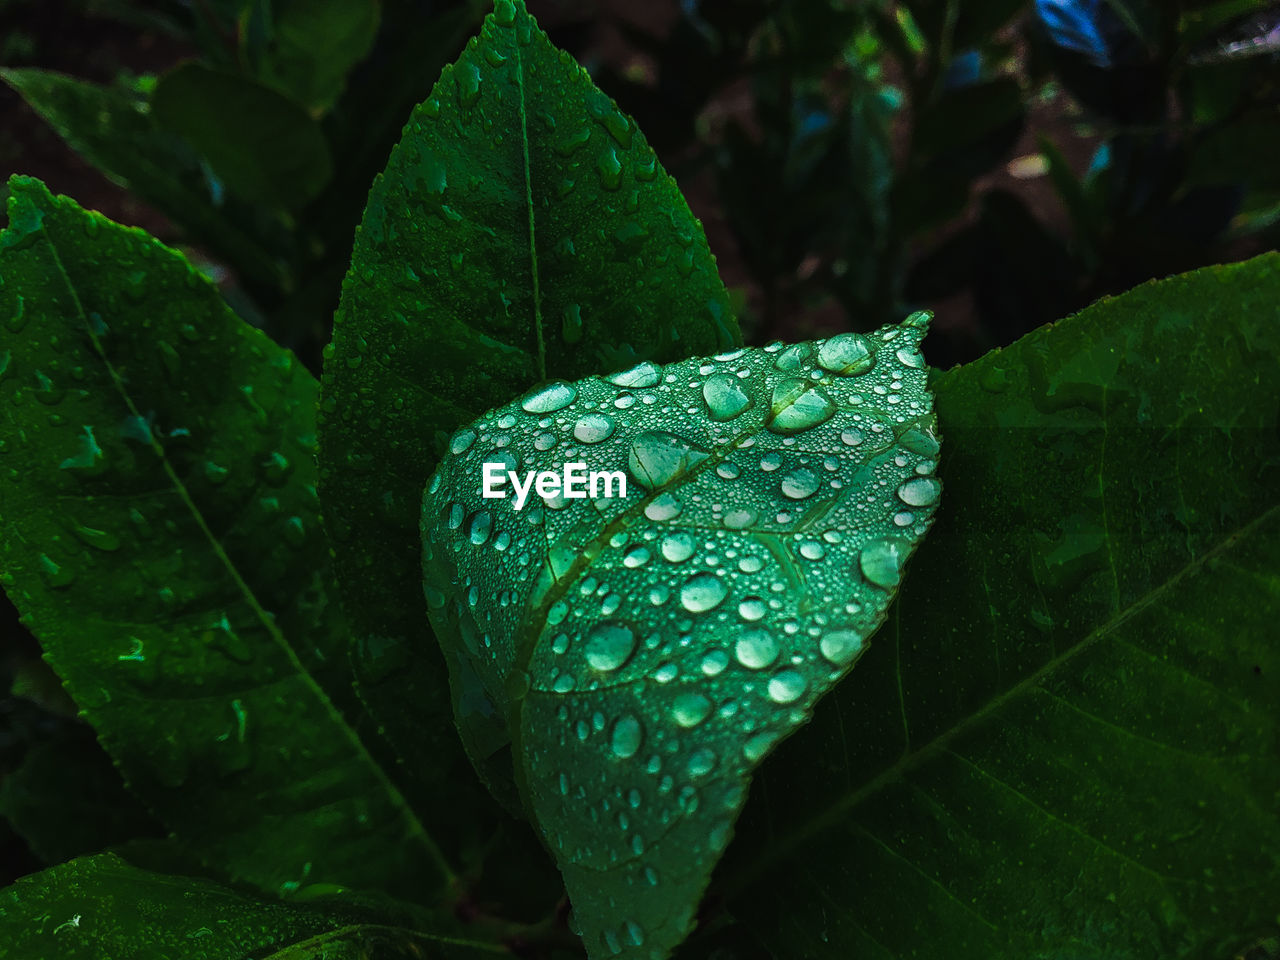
x,y
159,533
1067,745
523,229
98,907
67,799
267,148
643,649
314,44
113,130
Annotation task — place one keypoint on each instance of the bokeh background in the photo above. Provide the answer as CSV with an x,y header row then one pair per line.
x,y
1000,162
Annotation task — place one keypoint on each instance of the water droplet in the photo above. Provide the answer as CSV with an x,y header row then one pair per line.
x,y
462,441
504,12
690,708
634,933
547,399
793,358
602,110
677,547
54,574
609,645
740,518
702,592
758,745
657,457
800,483
756,649
636,556
724,397
101,539
573,141
797,405
881,561
647,168
468,76
627,736
642,375
846,354
840,646
786,686
593,428
663,507
610,168
921,441
701,762
479,526
812,550
714,662
920,491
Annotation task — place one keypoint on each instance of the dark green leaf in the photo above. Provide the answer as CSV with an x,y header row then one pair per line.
x,y
113,130
643,649
67,799
523,229
267,148
160,533
1066,746
101,907
1243,153
313,45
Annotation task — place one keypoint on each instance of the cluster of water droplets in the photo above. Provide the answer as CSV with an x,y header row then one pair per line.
x,y
666,640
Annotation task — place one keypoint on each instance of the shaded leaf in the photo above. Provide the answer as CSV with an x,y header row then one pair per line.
x,y
100,906
267,148
643,648
160,534
1067,745
314,44
523,229
113,130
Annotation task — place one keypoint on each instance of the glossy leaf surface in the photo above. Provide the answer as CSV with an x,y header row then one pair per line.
x,y
523,229
159,533
645,647
1066,745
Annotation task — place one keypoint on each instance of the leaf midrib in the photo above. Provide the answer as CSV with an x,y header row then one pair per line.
x,y
910,760
528,200
397,799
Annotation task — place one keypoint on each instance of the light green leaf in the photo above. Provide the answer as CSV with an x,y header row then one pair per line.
x,y
101,907
523,229
159,533
1067,746
267,148
645,647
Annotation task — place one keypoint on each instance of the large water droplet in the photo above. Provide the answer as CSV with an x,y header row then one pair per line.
x,y
594,428
547,399
462,441
702,592
881,561
468,77
798,405
786,686
921,441
840,646
846,354
479,526
756,649
609,645
642,375
690,708
920,491
657,457
677,547
724,397
663,507
627,736
800,483
610,168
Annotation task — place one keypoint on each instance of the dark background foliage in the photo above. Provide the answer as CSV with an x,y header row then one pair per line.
x,y
1003,163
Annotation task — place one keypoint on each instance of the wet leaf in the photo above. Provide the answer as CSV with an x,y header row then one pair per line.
x,y
643,649
1067,745
523,229
159,531
101,906
267,148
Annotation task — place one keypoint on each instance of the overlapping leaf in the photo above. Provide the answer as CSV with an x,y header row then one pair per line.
x,y
644,647
1068,747
159,532
523,229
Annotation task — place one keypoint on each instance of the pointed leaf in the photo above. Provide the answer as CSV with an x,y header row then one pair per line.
x,y
100,906
523,229
1068,746
644,648
159,533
